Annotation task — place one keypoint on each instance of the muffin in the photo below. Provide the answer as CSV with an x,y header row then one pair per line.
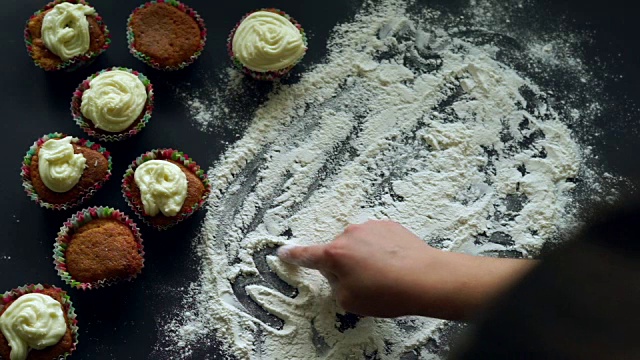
x,y
65,35
165,187
166,35
266,44
60,172
113,104
25,311
98,247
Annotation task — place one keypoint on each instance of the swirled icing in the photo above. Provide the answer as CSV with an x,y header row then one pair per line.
x,y
114,100
266,41
59,167
33,321
65,30
163,187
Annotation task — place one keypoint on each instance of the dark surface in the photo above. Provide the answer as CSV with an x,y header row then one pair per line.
x,y
119,322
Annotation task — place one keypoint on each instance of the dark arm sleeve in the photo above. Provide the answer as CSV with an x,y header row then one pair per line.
x,y
581,302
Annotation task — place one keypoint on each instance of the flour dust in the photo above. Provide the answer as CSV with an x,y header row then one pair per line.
x,y
416,115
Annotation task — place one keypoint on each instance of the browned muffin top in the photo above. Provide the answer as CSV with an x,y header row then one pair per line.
x,y
195,190
103,249
165,34
44,56
97,168
52,352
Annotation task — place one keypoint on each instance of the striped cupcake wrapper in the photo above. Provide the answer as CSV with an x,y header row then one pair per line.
x,y
86,124
65,236
131,40
67,307
27,184
163,154
269,75
78,61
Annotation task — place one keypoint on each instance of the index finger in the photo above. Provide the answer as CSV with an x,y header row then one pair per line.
x,y
308,256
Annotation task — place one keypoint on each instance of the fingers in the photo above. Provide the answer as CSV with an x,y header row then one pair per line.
x,y
312,257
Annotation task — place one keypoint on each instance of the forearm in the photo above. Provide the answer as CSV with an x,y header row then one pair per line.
x,y
467,284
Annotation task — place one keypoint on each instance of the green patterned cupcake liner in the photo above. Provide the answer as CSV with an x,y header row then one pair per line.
x,y
268,75
163,154
87,125
147,59
67,307
78,61
25,172
65,236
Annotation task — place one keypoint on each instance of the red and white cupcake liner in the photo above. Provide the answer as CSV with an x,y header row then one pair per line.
x,y
131,40
25,172
268,75
78,61
65,236
86,124
67,307
163,154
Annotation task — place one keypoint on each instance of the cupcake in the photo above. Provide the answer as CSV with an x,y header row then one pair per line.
x,y
113,104
266,44
166,34
97,247
65,35
60,172
37,322
165,187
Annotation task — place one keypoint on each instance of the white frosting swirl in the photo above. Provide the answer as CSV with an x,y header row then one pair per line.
x,y
114,100
163,187
60,168
65,29
33,321
266,41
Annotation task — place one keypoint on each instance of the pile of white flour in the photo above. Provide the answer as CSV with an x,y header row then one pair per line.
x,y
404,120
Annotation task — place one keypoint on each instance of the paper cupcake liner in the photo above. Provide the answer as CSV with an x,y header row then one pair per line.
x,y
79,219
163,154
67,307
85,124
147,59
25,172
269,75
78,61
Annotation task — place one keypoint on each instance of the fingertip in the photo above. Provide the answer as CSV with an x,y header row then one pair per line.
x,y
284,252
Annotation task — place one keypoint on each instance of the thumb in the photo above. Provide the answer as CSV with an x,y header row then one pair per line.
x,y
307,256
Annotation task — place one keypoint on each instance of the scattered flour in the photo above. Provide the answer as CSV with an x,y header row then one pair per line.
x,y
403,120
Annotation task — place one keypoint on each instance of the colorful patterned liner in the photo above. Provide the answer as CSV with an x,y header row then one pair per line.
x,y
78,61
85,124
25,172
269,75
67,306
163,154
147,59
76,221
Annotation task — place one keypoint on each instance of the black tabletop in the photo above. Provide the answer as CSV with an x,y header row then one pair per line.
x,y
119,322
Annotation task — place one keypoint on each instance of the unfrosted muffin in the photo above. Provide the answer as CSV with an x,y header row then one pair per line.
x,y
65,35
164,187
97,247
266,44
61,171
37,322
166,35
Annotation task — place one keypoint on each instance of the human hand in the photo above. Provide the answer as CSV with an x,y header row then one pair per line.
x,y
381,269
